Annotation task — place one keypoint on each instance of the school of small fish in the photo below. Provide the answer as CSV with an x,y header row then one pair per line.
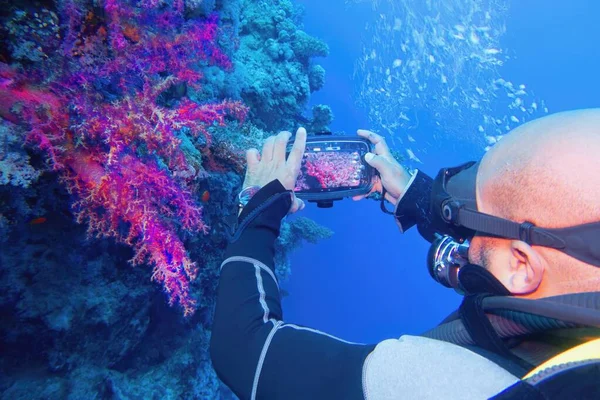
x,y
441,58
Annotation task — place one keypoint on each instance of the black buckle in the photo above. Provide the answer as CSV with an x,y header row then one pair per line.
x,y
526,231
450,211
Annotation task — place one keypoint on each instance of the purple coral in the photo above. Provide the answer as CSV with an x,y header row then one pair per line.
x,y
330,170
103,129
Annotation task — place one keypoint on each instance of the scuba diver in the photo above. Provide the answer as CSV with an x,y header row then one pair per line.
x,y
517,234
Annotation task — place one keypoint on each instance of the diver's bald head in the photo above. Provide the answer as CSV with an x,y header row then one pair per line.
x,y
546,171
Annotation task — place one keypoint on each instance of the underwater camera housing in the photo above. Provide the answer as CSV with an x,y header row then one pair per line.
x,y
333,167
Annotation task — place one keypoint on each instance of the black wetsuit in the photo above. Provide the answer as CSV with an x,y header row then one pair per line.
x,y
257,354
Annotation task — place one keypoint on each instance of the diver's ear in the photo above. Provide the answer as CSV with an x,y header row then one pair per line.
x,y
526,268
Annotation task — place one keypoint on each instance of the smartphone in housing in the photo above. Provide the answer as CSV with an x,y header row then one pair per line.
x,y
333,167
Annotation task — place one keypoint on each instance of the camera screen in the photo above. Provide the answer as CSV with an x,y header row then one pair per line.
x,y
329,166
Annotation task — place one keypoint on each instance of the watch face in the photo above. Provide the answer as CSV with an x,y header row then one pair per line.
x,y
247,193
252,190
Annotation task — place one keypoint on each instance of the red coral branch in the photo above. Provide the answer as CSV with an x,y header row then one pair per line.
x,y
117,149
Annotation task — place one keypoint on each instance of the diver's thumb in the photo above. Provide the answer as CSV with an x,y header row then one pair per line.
x,y
376,162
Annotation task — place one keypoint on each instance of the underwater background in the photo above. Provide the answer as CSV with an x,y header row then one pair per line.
x,y
369,282
123,127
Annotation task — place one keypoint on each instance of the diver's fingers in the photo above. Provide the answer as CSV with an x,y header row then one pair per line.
x,y
297,152
297,205
280,146
268,148
379,162
381,147
252,160
377,187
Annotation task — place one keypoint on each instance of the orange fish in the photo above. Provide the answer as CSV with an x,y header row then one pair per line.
x,y
38,221
205,196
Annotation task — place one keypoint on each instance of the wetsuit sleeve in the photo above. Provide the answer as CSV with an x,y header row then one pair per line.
x,y
414,207
254,352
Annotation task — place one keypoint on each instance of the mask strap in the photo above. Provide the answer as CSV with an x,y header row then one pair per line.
x,y
500,227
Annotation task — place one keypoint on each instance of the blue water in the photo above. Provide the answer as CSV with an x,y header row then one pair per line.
x,y
369,282
72,322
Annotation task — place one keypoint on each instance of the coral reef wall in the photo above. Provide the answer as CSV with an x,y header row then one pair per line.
x,y
274,62
275,65
123,128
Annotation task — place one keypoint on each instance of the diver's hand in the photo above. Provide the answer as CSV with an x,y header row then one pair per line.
x,y
393,176
272,164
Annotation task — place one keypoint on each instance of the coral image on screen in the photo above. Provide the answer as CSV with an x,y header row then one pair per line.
x,y
330,170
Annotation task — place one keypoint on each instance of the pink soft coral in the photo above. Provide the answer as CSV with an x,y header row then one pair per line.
x,y
148,201
116,148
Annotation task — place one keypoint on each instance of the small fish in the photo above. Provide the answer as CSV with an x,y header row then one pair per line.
x,y
491,139
492,52
38,221
412,156
205,196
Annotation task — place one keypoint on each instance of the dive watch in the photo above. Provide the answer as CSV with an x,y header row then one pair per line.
x,y
246,194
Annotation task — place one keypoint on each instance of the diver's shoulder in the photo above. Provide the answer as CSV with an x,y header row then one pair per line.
x,y
424,368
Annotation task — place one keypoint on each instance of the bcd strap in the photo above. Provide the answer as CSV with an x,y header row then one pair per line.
x,y
481,330
579,382
573,374
585,351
